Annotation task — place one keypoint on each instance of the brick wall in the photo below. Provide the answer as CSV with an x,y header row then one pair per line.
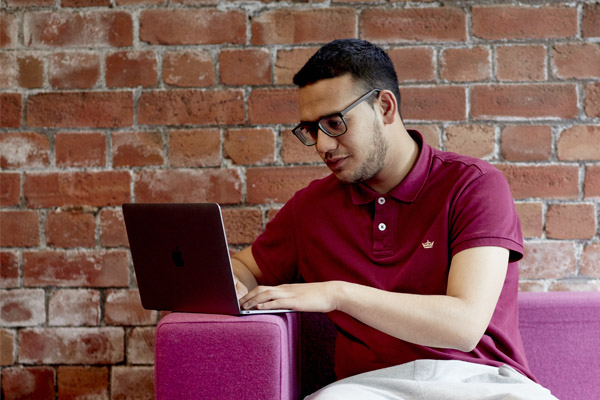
x,y
110,101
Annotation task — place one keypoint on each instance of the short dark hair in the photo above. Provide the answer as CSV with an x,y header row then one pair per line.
x,y
368,64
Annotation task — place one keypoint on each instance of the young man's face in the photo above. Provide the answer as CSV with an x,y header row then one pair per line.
x,y
359,154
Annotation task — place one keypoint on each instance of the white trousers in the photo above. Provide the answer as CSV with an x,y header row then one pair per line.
x,y
436,380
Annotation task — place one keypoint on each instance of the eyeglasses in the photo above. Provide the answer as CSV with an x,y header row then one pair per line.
x,y
332,125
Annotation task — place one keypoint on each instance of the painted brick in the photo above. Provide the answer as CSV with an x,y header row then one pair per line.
x,y
592,181
526,143
580,142
19,229
245,67
590,21
531,216
592,100
10,71
543,181
576,60
294,152
74,307
69,29
289,61
436,103
70,229
112,228
131,69
92,268
242,225
413,64
278,184
73,70
285,26
140,345
31,71
80,149
10,189
80,109
590,260
192,26
513,22
472,140
71,345
195,148
188,185
521,63
188,68
250,146
22,307
137,149
93,188
273,106
132,382
466,64
7,344
548,260
413,24
9,269
24,150
124,307
83,383
28,383
186,107
524,101
570,221
9,30
10,110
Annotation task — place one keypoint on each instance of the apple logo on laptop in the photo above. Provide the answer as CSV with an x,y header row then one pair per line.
x,y
177,256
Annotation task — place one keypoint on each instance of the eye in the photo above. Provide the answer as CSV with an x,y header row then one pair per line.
x,y
334,124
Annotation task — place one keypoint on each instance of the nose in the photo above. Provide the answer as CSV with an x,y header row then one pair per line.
x,y
325,143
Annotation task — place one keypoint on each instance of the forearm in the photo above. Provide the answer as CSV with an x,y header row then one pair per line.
x,y
243,273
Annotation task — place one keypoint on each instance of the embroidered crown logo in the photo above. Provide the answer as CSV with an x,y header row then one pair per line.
x,y
427,244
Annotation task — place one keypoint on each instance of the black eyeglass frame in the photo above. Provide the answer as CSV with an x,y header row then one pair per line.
x,y
315,126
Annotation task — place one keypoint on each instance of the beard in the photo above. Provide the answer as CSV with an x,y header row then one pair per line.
x,y
374,161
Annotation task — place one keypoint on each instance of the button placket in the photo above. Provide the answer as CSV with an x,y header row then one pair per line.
x,y
382,241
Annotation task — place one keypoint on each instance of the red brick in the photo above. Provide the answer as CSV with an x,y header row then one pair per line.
x,y
74,70
245,67
574,285
543,181
74,29
188,68
570,221
97,268
22,307
7,344
137,149
74,307
548,260
24,150
521,63
80,149
26,3
112,229
138,2
285,26
10,110
294,152
590,21
9,269
413,24
581,142
431,134
70,229
19,229
140,345
592,100
441,103
93,188
124,307
195,148
273,106
289,61
531,216
250,146
71,110
590,260
192,26
191,107
242,225
413,64
466,64
524,101
82,383
9,30
31,71
472,140
28,383
10,189
9,72
188,185
592,181
278,184
132,382
576,60
71,345
131,69
85,3
526,143
513,22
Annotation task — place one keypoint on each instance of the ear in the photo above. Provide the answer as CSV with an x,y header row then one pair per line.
x,y
388,106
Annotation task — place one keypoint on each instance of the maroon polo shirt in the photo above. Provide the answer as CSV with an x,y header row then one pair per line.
x,y
402,241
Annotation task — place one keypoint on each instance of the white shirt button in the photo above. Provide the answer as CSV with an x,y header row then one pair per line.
x,y
382,227
381,200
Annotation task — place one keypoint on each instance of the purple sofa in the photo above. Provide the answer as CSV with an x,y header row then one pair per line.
x,y
202,356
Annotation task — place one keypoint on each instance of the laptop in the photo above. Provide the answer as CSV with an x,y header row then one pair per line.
x,y
181,258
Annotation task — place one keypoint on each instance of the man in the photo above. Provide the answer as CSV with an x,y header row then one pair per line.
x,y
411,251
